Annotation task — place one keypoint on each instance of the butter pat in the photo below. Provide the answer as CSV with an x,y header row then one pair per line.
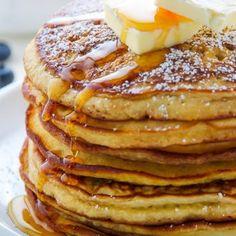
x,y
139,26
216,14
137,10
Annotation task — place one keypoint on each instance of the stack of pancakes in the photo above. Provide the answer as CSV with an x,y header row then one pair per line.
x,y
121,144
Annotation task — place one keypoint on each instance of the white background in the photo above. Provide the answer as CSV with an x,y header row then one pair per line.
x,y
19,22
24,16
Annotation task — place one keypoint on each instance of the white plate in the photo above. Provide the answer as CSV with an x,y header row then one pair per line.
x,y
12,134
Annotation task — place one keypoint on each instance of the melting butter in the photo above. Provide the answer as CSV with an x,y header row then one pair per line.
x,y
216,14
160,28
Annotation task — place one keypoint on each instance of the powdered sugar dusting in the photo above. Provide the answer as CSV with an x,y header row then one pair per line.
x,y
60,45
207,56
179,65
207,62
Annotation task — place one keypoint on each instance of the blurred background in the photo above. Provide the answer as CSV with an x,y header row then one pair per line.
x,y
19,21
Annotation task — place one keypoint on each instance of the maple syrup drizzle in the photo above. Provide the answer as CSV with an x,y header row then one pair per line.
x,y
67,20
48,110
162,38
124,33
23,217
69,180
56,88
109,80
103,51
42,179
164,20
178,34
75,71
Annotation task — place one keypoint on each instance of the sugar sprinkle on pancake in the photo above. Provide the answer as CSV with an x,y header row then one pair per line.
x,y
201,69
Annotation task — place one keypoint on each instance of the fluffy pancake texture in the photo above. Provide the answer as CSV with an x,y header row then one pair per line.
x,y
75,160
117,205
58,218
178,137
126,144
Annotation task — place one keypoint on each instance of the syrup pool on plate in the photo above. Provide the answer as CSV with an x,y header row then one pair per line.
x,y
21,214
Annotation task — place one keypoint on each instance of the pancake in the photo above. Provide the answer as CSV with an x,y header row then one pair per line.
x,y
47,134
62,62
187,134
143,134
214,202
126,144
55,220
66,222
78,162
186,137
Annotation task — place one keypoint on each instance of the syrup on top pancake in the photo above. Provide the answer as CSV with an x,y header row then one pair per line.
x,y
84,59
88,52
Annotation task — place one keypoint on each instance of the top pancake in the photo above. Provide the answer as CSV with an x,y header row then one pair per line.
x,y
79,62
